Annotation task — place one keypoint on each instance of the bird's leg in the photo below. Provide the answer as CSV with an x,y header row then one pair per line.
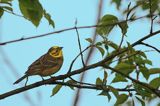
x,y
42,78
51,76
26,81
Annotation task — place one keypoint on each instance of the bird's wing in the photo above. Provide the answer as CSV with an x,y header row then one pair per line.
x,y
40,64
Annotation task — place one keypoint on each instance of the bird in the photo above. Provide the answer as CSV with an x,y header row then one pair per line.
x,y
46,65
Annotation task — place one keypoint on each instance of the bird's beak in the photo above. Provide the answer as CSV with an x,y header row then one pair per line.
x,y
61,48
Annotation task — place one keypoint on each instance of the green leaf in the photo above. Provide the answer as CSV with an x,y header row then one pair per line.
x,y
142,54
140,61
105,93
117,2
119,78
144,72
147,62
71,82
99,81
154,71
141,90
89,40
107,24
114,91
125,67
155,83
124,27
105,75
101,50
48,17
98,44
141,101
1,12
32,10
56,89
105,78
113,45
121,99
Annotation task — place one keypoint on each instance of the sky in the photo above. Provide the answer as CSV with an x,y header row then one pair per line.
x,y
22,54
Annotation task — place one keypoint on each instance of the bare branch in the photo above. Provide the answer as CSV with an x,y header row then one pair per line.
x,y
150,46
80,48
70,68
66,29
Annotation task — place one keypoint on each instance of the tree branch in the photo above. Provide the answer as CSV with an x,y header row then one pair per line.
x,y
151,46
66,29
80,48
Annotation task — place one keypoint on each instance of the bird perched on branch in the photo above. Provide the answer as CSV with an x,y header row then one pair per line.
x,y
46,65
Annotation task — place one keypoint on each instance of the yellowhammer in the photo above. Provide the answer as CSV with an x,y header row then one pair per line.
x,y
46,65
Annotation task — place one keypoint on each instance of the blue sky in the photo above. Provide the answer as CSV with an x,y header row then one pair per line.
x,y
22,54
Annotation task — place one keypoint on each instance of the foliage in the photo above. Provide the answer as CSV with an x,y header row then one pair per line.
x,y
31,10
131,64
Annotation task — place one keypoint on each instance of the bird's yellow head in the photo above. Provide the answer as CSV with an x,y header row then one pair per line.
x,y
56,51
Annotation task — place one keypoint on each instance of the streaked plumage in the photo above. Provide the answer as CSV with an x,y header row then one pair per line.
x,y
46,65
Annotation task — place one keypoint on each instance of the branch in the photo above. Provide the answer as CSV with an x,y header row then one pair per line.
x,y
66,29
135,81
150,46
70,68
94,87
61,77
151,17
15,14
80,49
48,81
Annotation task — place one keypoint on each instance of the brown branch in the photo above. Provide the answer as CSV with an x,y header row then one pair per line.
x,y
94,87
48,81
66,29
62,77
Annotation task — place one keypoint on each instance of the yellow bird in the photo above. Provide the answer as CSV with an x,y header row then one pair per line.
x,y
46,65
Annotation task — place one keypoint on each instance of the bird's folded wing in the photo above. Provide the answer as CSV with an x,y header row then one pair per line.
x,y
43,63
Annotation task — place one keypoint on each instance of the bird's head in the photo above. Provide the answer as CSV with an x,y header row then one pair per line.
x,y
55,51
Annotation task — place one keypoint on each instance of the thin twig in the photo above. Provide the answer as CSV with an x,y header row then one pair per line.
x,y
70,68
80,48
15,14
150,46
151,17
94,87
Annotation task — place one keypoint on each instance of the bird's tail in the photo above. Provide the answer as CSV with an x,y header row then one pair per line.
x,y
20,79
